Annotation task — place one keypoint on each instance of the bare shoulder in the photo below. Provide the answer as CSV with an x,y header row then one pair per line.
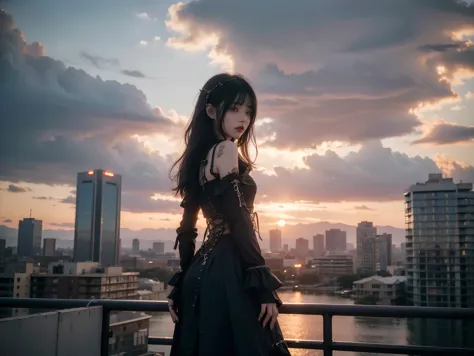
x,y
227,157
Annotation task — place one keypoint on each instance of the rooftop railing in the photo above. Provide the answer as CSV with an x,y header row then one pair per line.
x,y
328,345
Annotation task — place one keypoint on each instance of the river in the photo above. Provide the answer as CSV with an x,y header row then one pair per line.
x,y
357,329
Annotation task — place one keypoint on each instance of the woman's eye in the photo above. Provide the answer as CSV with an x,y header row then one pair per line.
x,y
235,109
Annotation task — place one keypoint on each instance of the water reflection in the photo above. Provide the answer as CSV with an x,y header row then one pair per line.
x,y
358,329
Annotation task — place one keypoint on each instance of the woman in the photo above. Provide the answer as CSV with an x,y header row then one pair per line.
x,y
224,300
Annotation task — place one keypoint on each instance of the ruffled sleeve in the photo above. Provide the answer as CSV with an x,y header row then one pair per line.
x,y
186,242
258,278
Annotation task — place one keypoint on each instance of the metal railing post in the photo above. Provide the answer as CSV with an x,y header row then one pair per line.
x,y
105,334
327,334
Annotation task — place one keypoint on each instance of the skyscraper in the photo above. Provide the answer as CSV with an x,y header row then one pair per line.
x,y
367,247
136,246
302,247
29,237
318,245
97,228
385,250
440,243
49,247
159,247
336,240
275,240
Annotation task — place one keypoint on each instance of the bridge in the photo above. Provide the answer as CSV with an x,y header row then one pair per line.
x,y
328,345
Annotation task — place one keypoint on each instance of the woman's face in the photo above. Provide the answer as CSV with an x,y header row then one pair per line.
x,y
237,120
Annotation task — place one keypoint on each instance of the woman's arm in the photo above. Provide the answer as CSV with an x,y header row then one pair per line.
x,y
237,216
187,233
186,240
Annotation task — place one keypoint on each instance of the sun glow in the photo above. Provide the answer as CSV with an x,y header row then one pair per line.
x,y
281,223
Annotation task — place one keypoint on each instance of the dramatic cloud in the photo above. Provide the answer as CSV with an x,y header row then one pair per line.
x,y
140,202
17,189
44,198
374,173
453,168
7,220
447,133
143,203
334,69
60,121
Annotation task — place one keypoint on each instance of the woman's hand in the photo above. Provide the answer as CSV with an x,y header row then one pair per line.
x,y
270,311
174,315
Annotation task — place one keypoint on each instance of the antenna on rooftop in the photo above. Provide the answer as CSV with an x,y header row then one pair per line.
x,y
30,213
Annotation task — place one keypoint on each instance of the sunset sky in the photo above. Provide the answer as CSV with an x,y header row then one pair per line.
x,y
357,101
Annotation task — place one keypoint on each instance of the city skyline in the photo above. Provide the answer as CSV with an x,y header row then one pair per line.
x,y
402,107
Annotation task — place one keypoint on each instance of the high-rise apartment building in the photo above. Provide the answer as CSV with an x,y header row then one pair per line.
x,y
336,240
84,280
97,228
49,247
439,216
136,246
318,245
29,237
385,250
302,247
159,247
275,240
15,283
367,247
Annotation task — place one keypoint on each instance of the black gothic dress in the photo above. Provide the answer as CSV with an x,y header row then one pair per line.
x,y
220,289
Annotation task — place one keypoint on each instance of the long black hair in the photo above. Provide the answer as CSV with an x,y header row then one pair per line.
x,y
221,91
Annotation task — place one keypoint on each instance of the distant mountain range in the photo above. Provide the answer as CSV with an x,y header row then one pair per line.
x,y
64,238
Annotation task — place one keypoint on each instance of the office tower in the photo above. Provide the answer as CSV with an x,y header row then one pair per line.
x,y
136,246
97,228
29,237
318,245
440,243
285,248
159,247
367,247
49,247
336,240
382,258
385,243
302,247
275,240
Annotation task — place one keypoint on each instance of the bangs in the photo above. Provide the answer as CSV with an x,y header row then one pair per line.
x,y
245,98
236,92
